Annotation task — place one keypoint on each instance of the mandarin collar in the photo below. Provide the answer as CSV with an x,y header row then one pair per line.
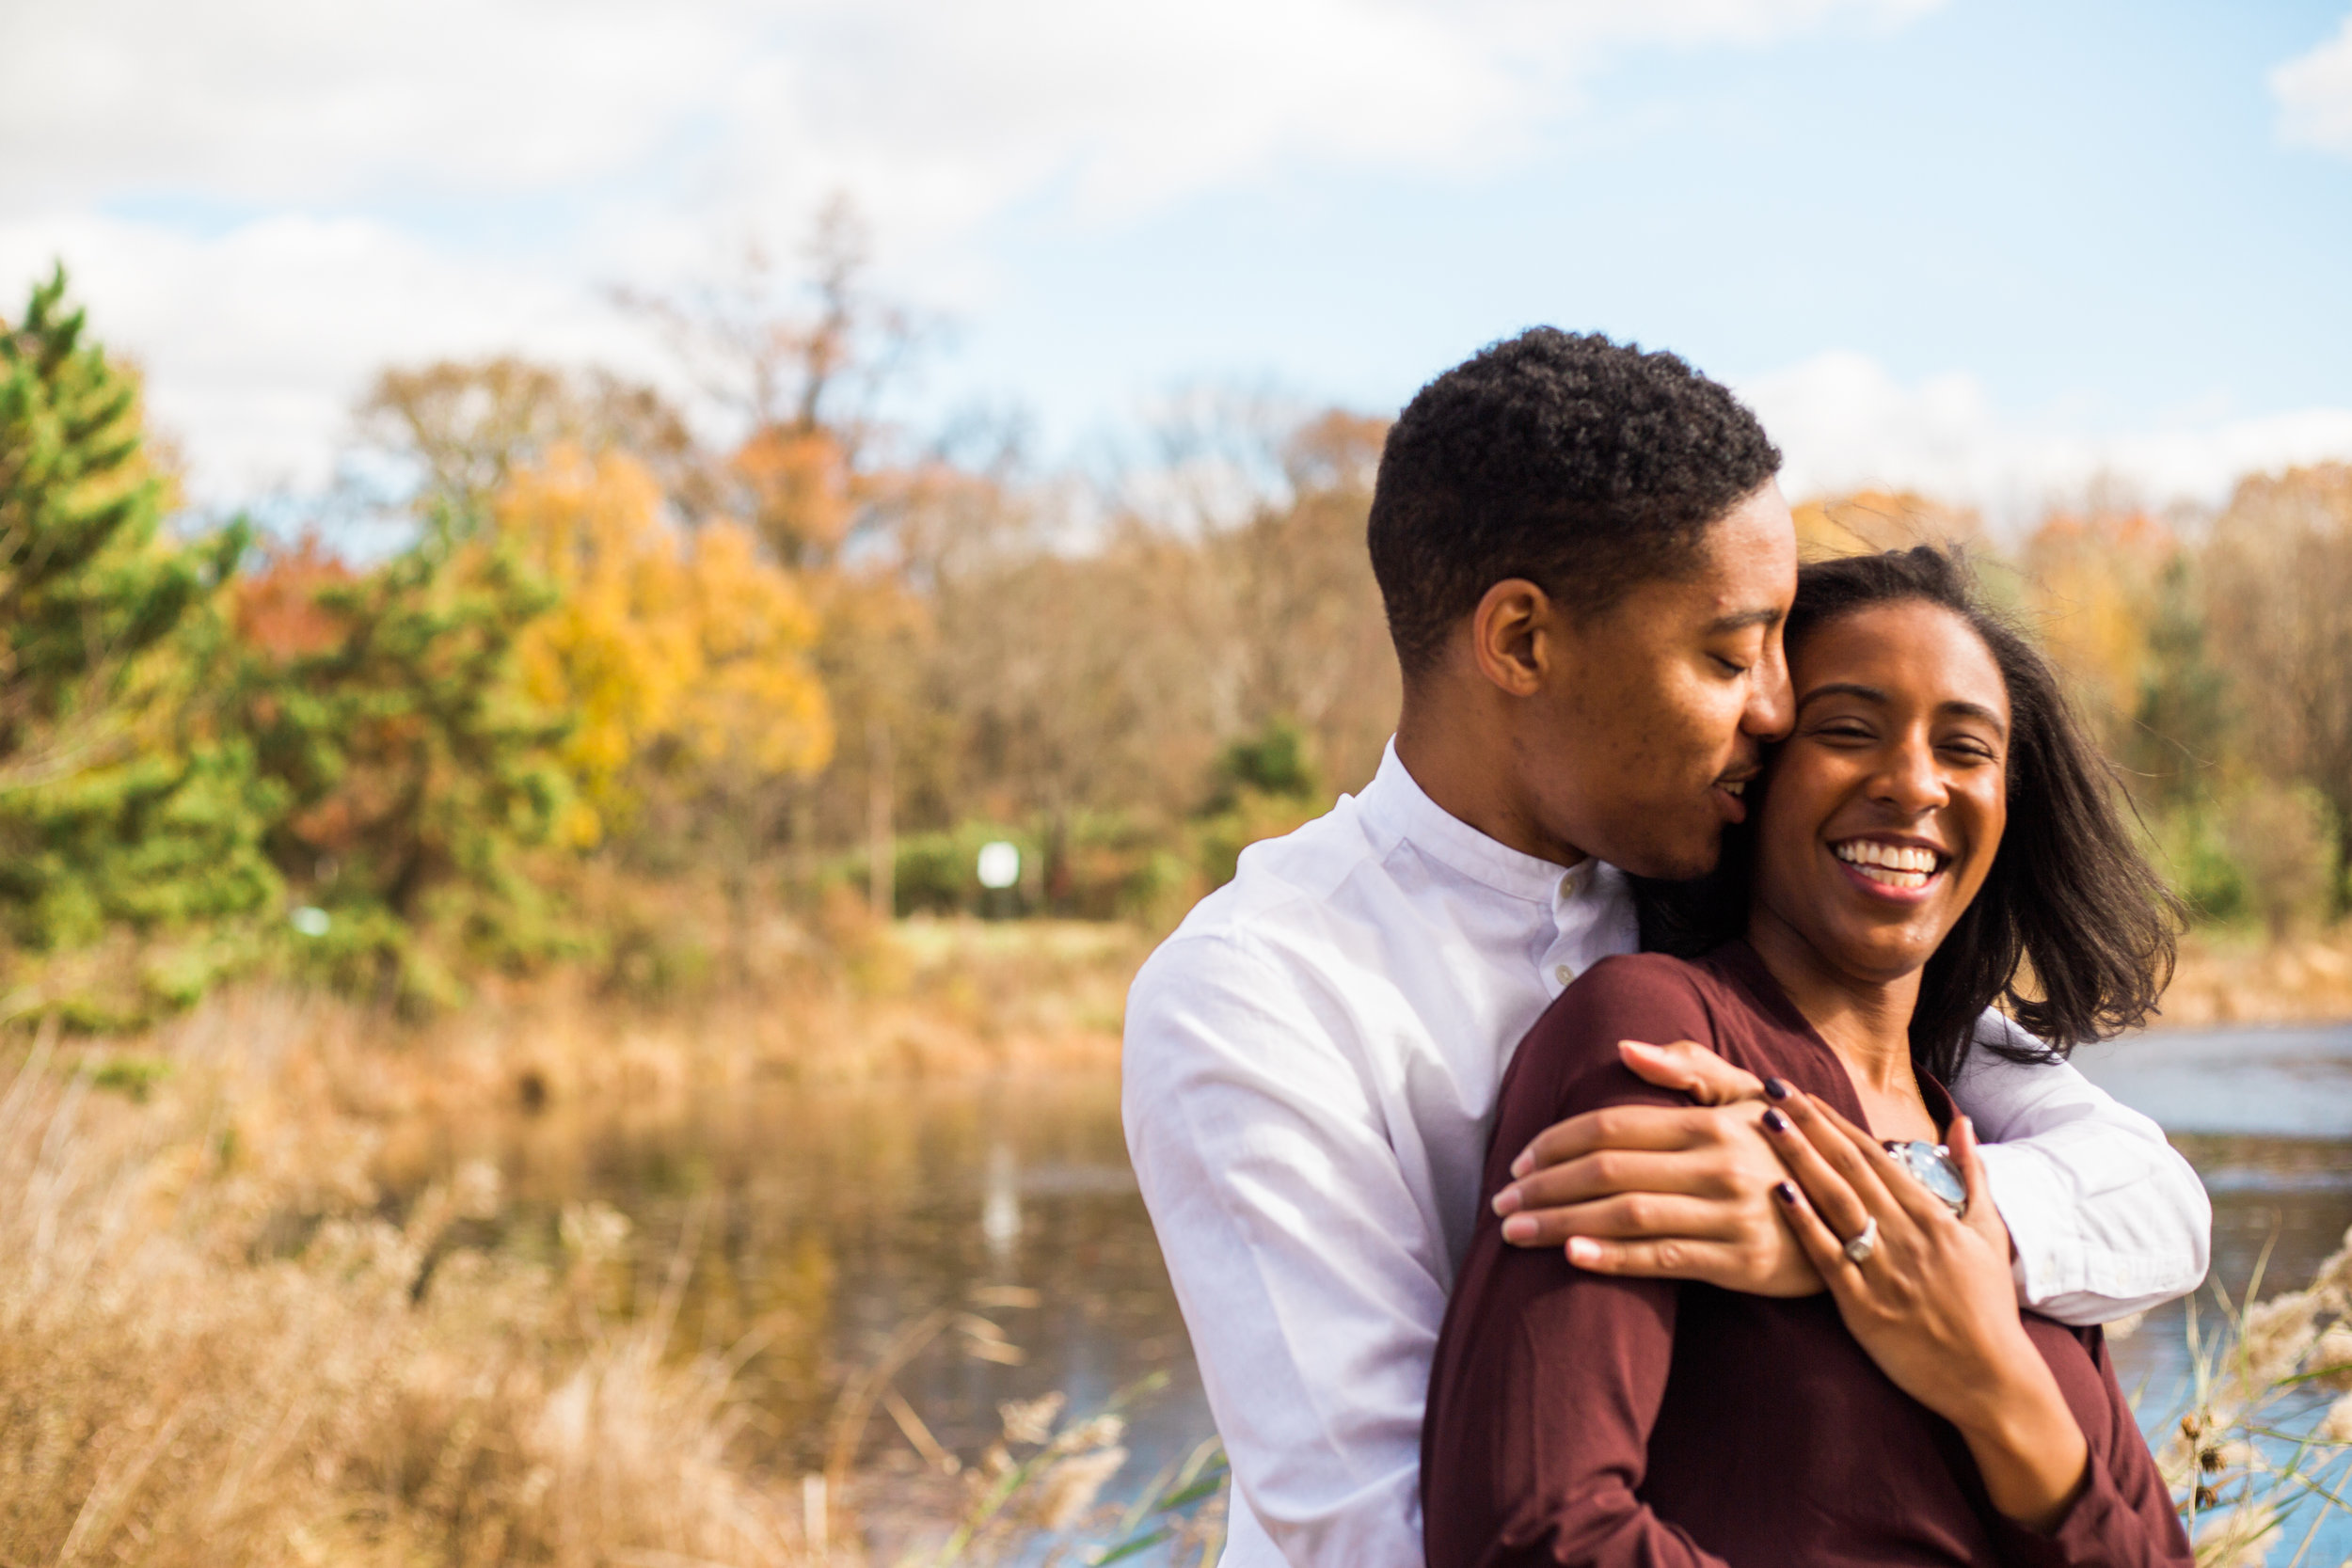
x,y
1395,806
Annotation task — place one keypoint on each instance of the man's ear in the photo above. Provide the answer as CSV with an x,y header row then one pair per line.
x,y
1515,636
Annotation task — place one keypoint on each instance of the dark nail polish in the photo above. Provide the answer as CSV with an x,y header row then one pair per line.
x,y
1776,1122
1776,1088
1785,1192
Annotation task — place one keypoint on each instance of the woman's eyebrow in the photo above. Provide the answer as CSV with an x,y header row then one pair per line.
x,y
1843,689
1975,711
1873,694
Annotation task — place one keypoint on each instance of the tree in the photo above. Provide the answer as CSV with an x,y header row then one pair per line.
x,y
389,707
2279,595
676,655
2181,727
468,425
123,799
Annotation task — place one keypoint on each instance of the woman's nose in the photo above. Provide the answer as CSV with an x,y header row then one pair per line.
x,y
1910,780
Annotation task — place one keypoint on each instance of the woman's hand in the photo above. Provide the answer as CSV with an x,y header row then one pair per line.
x,y
1933,1303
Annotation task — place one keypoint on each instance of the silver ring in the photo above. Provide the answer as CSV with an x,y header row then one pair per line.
x,y
1859,1249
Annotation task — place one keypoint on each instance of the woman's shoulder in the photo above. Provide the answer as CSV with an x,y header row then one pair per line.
x,y
1572,1049
1713,1000
1649,981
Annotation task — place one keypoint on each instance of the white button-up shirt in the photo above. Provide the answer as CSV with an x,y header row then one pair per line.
x,y
1310,1073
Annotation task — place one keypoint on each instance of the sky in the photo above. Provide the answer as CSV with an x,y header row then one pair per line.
x,y
1996,250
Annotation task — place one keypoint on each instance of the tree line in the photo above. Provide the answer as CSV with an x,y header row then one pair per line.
x,y
819,663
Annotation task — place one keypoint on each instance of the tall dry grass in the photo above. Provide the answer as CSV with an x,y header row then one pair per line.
x,y
220,1342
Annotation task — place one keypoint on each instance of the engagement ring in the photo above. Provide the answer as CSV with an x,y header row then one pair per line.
x,y
1859,1249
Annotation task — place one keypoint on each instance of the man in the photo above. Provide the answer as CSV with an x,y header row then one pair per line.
x,y
1585,559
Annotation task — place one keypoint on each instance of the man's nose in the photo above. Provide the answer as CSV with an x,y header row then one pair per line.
x,y
1771,710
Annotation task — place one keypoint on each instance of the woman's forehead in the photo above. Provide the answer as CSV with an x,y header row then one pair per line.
x,y
1911,650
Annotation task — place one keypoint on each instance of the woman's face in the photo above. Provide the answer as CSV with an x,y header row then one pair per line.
x,y
1884,809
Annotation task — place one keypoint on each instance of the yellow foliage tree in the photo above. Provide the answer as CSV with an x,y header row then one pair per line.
x,y
669,649
2094,579
1869,520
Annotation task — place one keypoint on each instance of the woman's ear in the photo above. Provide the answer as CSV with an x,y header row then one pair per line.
x,y
1515,636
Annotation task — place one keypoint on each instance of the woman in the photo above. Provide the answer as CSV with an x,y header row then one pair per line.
x,y
1934,825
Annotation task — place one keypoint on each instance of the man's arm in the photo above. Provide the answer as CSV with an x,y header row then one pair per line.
x,y
1311,1282
2105,1216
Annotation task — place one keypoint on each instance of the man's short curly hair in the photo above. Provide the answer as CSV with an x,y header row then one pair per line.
x,y
1581,465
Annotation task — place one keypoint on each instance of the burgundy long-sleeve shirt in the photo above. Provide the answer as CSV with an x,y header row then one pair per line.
x,y
1579,1419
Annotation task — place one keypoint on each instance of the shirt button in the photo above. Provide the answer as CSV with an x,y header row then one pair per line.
x,y
1563,973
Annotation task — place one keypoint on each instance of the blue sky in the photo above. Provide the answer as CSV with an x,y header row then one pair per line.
x,y
2082,205
1988,247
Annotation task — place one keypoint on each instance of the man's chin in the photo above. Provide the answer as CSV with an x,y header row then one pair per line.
x,y
1672,862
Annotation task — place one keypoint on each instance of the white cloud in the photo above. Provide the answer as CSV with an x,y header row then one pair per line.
x,y
496,161
1845,424
2314,95
281,100
257,340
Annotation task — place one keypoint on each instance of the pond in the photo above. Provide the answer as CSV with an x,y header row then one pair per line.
x,y
827,1220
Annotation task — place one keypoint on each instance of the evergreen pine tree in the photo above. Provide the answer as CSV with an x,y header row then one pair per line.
x,y
121,800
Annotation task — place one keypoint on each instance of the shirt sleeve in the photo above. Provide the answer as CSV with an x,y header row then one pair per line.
x,y
2106,1216
1309,1280
1548,1379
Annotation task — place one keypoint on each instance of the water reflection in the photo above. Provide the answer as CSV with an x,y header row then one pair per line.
x,y
824,1220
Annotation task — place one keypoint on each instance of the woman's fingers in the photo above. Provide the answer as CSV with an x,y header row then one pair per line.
x,y
1832,1196
1851,1152
1902,1190
1819,1241
1983,1215
1690,1067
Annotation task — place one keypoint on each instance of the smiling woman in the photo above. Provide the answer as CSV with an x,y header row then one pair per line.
x,y
1933,823
2061,921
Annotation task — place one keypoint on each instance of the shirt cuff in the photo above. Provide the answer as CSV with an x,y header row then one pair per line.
x,y
2046,1257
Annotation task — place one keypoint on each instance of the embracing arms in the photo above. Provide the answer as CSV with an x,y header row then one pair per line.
x,y
2105,1216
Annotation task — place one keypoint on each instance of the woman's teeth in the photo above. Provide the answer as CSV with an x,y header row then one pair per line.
x,y
1896,866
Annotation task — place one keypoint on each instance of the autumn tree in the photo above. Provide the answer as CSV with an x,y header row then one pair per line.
x,y
2094,579
1868,520
2278,591
469,424
390,707
678,655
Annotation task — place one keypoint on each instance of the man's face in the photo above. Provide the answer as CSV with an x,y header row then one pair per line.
x,y
1641,742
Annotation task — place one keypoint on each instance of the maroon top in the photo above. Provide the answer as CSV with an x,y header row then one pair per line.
x,y
1574,1418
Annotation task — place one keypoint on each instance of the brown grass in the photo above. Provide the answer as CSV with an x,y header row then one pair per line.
x,y
218,1343
2244,977
226,1335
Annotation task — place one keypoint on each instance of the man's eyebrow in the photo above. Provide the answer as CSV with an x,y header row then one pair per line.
x,y
1741,620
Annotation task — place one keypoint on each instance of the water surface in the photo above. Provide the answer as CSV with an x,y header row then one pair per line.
x,y
827,1220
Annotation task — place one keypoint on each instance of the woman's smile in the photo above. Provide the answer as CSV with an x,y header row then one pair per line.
x,y
1885,866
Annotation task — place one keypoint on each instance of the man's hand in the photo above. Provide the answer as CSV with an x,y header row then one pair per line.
x,y
1663,1191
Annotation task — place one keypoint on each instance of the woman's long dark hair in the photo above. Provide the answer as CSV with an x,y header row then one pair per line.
x,y
2072,932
